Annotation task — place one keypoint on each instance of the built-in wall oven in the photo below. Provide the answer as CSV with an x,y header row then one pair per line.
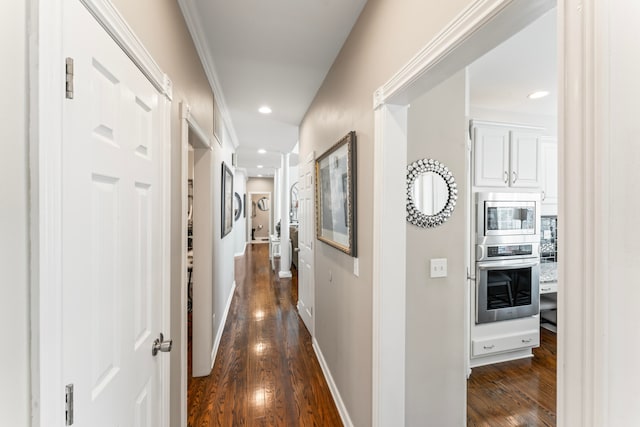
x,y
507,256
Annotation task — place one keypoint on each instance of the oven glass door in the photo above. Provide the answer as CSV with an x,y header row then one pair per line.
x,y
509,218
507,290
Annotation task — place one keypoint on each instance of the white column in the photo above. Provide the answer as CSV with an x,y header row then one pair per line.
x,y
276,202
285,254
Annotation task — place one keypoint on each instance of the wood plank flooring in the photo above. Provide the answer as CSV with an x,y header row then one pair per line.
x,y
266,372
517,393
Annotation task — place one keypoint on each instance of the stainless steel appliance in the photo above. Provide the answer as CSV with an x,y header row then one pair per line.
x,y
507,217
507,256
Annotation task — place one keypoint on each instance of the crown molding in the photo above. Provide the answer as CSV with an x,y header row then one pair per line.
x,y
113,22
192,20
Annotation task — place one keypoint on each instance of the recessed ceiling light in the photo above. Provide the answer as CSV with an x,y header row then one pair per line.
x,y
259,176
262,151
260,166
537,95
264,110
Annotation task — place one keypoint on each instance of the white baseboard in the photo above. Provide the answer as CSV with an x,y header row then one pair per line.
x,y
285,274
216,344
244,250
342,409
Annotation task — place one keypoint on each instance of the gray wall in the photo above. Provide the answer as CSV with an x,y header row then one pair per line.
x,y
14,215
386,36
435,347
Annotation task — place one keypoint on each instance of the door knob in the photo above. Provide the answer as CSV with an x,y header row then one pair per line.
x,y
161,345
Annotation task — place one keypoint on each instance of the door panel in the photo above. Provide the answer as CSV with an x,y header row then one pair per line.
x,y
112,232
306,236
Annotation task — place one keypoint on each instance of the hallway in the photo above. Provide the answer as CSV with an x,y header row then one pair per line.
x,y
266,372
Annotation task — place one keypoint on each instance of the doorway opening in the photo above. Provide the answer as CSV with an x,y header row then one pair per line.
x,y
394,296
260,217
194,352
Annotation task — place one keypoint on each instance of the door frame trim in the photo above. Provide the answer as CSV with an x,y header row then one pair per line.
x,y
188,124
311,157
446,53
46,88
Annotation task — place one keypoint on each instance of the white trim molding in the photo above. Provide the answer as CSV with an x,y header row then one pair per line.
x,y
190,13
223,322
45,164
428,67
204,140
389,252
113,22
342,408
244,250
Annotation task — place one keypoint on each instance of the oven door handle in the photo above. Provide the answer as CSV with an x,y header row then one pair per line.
x,y
510,264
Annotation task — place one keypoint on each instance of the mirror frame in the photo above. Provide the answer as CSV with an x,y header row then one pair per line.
x,y
414,215
237,206
261,199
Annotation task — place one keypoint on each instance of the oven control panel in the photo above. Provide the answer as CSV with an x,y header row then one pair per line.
x,y
507,251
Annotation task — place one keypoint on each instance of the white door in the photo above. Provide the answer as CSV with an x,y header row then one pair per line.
x,y
112,233
306,237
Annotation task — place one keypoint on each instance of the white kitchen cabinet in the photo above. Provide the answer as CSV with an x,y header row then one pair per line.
x,y
506,155
506,343
549,176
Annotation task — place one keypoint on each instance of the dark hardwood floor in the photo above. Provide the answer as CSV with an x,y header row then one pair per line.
x,y
266,372
516,393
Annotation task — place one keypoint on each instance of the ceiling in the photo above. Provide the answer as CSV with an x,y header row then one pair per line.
x,y
525,63
277,53
274,53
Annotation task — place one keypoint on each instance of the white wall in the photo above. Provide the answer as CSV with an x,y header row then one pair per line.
x,y
14,271
435,385
223,248
240,226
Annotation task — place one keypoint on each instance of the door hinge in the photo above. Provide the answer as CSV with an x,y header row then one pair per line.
x,y
69,77
68,404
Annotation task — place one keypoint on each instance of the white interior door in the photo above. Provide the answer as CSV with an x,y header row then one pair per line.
x,y
306,237
112,233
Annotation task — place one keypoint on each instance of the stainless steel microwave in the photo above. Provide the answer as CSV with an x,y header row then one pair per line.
x,y
507,217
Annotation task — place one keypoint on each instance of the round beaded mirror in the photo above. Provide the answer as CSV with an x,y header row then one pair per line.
x,y
432,193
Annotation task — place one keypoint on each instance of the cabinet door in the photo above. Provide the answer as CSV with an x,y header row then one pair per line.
x,y
549,176
525,159
491,154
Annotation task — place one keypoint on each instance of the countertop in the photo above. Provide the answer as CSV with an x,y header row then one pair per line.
x,y
548,272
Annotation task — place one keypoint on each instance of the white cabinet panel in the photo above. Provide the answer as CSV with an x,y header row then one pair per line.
x,y
549,176
491,156
506,155
498,344
525,159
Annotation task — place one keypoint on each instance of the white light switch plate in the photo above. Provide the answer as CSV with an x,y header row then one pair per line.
x,y
356,267
439,267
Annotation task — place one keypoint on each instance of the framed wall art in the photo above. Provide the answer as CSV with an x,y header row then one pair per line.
x,y
336,196
227,199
